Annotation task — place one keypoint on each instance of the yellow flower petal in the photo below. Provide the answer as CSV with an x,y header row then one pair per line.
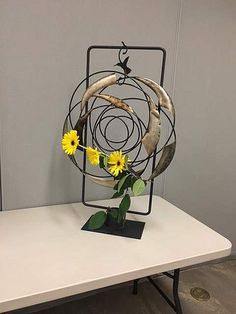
x,y
116,163
70,142
93,155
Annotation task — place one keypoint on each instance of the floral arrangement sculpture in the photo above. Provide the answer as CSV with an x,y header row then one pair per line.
x,y
121,173
117,164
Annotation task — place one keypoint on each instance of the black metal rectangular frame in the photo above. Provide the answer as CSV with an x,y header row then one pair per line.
x,y
108,47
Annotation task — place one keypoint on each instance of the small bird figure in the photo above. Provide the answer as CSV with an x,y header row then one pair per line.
x,y
123,65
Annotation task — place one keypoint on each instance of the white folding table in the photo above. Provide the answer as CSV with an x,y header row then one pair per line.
x,y
45,256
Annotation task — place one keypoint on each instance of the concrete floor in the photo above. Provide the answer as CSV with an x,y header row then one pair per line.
x,y
219,279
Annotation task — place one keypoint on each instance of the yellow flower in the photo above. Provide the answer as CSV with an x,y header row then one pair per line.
x,y
116,162
93,155
70,142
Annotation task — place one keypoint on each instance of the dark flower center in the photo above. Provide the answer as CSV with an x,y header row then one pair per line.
x,y
118,163
72,143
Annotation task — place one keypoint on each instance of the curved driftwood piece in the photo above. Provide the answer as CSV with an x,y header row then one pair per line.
x,y
152,136
96,86
166,158
79,126
110,183
164,98
117,102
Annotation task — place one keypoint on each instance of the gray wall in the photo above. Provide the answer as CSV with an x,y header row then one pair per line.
x,y
202,179
42,57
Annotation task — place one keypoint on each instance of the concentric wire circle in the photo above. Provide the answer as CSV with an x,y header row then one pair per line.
x,y
104,116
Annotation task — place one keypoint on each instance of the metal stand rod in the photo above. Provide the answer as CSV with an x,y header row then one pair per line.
x,y
176,306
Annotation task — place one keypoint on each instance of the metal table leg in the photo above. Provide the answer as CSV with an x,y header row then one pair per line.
x,y
135,286
176,306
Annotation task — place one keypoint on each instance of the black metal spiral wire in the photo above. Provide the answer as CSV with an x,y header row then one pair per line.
x,y
106,117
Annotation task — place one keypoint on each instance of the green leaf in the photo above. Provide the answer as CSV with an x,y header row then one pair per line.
x,y
116,186
97,220
124,204
118,194
105,160
126,161
128,183
122,181
119,217
101,162
138,187
133,180
121,175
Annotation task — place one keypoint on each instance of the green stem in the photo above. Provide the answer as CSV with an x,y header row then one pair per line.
x,y
82,146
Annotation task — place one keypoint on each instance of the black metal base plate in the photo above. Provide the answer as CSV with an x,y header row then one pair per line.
x,y
132,229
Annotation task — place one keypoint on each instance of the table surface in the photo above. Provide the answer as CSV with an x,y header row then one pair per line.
x,y
45,256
